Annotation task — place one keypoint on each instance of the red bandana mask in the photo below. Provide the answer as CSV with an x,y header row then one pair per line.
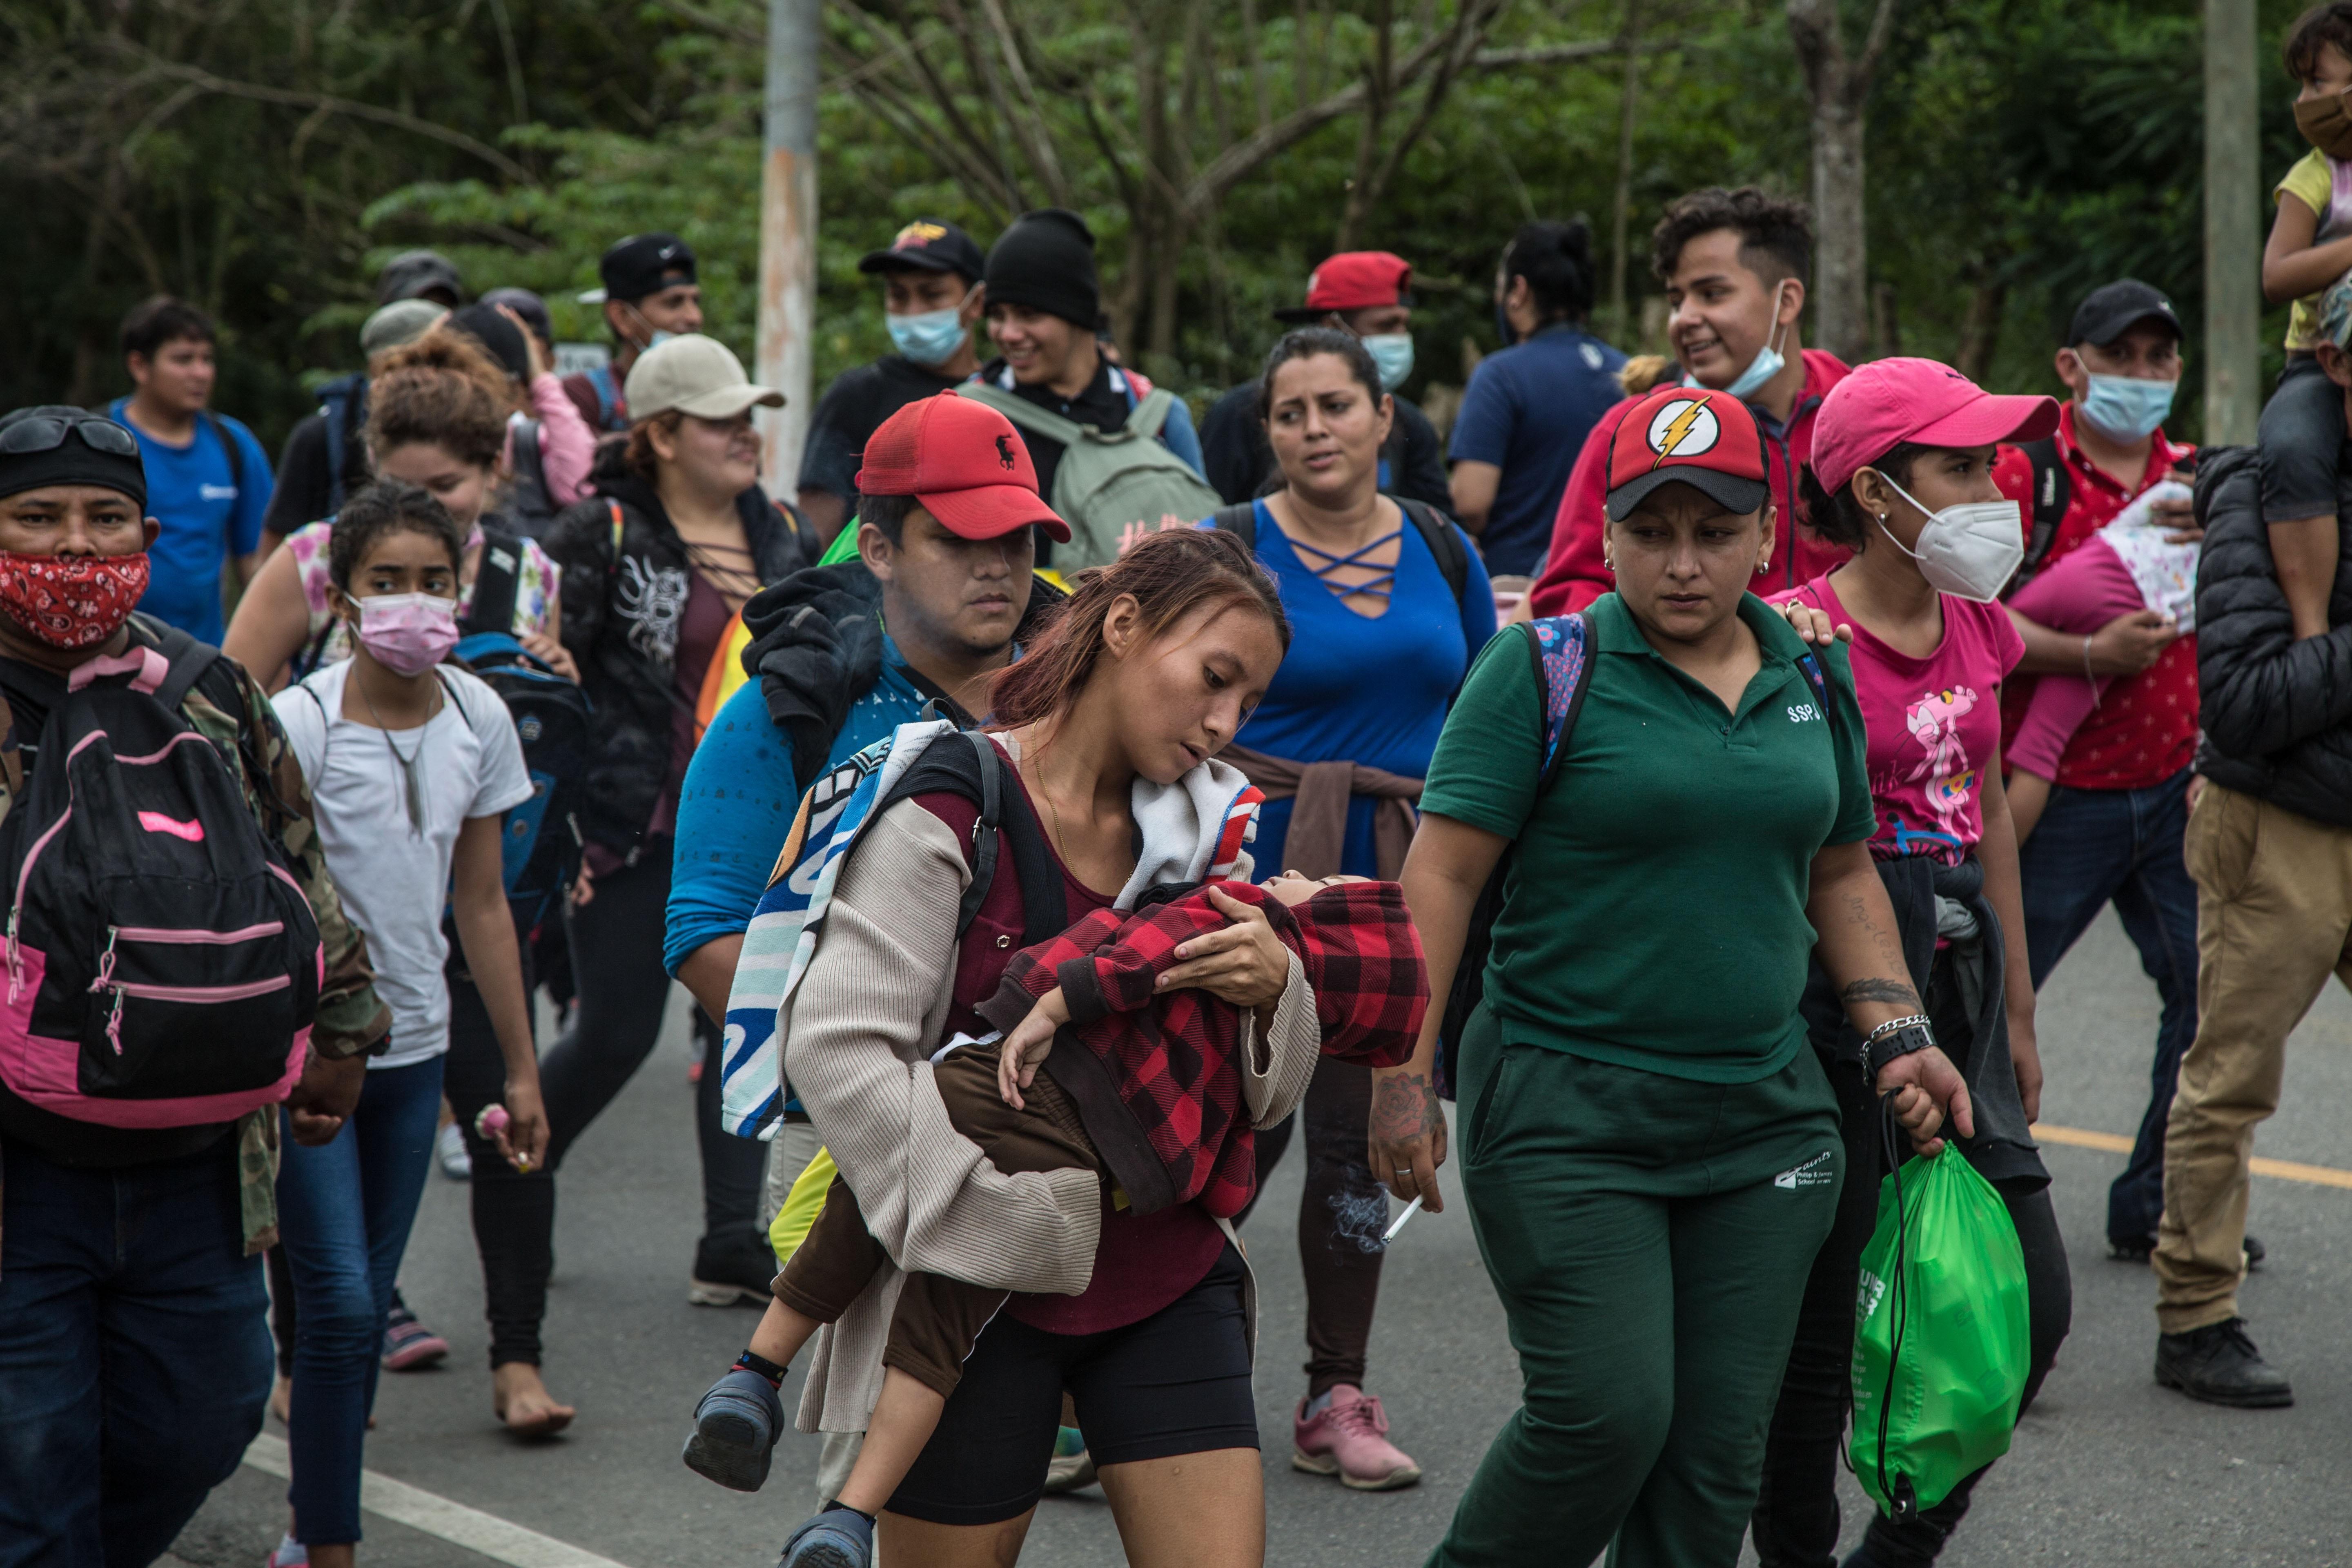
x,y
71,601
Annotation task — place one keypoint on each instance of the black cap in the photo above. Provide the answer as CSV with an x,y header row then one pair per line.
x,y
485,325
2112,309
1046,261
68,446
528,306
645,264
928,245
416,274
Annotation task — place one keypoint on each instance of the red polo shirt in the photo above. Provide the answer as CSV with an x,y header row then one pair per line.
x,y
2144,729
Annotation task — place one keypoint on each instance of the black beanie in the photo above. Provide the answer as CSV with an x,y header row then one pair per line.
x,y
1046,261
487,325
73,461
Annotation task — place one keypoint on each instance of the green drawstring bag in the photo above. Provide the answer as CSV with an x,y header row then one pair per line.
x,y
1941,1340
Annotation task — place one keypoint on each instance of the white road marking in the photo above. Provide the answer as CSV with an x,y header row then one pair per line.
x,y
436,1516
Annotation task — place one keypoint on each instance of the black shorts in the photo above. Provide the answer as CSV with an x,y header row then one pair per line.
x,y
1176,1383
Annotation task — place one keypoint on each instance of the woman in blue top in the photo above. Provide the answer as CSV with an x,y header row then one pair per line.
x,y
1381,640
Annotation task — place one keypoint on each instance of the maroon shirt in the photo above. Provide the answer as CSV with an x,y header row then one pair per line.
x,y
1143,1262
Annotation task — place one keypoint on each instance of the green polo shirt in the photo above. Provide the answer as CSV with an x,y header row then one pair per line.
x,y
1654,913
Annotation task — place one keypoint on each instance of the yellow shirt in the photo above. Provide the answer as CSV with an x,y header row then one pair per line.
x,y
2312,181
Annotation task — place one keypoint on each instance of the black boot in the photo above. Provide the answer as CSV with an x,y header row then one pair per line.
x,y
2218,1364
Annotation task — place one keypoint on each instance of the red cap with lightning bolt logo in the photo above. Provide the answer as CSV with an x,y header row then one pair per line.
x,y
1688,435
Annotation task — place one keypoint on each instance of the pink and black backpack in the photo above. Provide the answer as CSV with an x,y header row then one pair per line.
x,y
162,966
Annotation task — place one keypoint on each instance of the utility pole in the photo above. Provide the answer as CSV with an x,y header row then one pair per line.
x,y
788,237
2232,226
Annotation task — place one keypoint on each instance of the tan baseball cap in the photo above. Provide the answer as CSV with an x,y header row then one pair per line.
x,y
695,375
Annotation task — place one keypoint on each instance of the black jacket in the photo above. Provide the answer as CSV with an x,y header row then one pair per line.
x,y
2277,714
816,648
622,613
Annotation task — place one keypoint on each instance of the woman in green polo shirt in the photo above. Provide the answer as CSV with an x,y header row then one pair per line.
x,y
1651,1154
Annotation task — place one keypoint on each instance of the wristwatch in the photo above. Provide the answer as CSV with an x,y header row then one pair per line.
x,y
1895,1038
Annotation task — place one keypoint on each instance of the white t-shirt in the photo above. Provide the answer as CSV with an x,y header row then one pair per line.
x,y
394,882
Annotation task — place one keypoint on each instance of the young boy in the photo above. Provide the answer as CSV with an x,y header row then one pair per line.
x,y
2310,247
1146,1090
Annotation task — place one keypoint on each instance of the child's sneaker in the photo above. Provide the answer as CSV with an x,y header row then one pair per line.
x,y
838,1537
1348,1438
407,1344
735,1430
1071,1467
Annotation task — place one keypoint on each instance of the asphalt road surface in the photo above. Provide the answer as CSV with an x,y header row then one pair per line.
x,y
2107,1469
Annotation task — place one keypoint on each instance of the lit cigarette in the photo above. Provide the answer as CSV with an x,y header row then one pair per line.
x,y
1397,1224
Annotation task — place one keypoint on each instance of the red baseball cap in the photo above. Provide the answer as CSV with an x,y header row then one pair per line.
x,y
963,463
1888,401
1694,435
1353,281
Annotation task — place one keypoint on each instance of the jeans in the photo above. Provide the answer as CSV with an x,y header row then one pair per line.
x,y
1341,1214
2302,426
2097,845
616,961
345,1210
134,1353
1795,1524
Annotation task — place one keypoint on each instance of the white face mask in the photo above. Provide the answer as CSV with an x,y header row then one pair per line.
x,y
1970,551
1767,362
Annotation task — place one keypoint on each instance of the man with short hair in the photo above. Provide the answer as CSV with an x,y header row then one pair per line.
x,y
2270,843
2111,832
932,299
650,294
1368,294
325,457
1043,306
1734,263
134,1348
208,480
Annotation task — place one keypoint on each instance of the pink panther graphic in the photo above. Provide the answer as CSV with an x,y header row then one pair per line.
x,y
1935,722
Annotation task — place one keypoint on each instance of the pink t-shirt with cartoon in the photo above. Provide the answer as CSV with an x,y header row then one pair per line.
x,y
1933,723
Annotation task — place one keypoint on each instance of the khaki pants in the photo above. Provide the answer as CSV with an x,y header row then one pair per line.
x,y
2274,911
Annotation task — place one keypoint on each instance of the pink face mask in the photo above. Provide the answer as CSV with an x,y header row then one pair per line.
x,y
408,633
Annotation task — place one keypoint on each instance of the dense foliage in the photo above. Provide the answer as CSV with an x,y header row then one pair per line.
x,y
262,156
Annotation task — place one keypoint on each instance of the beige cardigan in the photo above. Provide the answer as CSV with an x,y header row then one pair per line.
x,y
868,1012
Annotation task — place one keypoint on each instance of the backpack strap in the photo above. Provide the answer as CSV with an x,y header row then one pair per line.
x,y
2054,493
188,660
496,579
228,445
1026,414
985,828
1240,521
975,770
1445,541
1559,649
613,511
1149,413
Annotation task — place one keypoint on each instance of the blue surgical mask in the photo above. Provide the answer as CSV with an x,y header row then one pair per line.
x,y
929,337
1393,356
2127,408
658,338
1767,362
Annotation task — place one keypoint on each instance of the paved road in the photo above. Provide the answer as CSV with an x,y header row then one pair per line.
x,y
2108,1469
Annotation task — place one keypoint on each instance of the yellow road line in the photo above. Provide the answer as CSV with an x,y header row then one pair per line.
x,y
2115,1144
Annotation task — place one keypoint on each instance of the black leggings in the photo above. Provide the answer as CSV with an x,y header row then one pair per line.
x,y
1795,1523
1341,1215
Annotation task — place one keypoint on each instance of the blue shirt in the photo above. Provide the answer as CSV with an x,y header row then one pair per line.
x,y
1361,688
1527,410
207,516
737,800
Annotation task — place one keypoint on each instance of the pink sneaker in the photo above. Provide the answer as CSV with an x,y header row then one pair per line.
x,y
1348,1439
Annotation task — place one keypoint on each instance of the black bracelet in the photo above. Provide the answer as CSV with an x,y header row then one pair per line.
x,y
1897,1038
752,1361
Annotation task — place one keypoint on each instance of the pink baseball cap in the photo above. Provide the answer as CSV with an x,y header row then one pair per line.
x,y
1890,401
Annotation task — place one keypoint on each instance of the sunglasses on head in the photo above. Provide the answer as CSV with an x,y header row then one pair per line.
x,y
46,433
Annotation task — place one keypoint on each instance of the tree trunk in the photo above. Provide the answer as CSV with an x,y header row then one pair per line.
x,y
1841,260
1838,83
1623,206
1980,329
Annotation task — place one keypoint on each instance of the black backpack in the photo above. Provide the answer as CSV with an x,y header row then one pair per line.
x,y
1438,532
163,965
2054,493
975,769
555,720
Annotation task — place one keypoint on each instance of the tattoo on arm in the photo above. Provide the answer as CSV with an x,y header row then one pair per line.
x,y
1895,992
1404,1107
